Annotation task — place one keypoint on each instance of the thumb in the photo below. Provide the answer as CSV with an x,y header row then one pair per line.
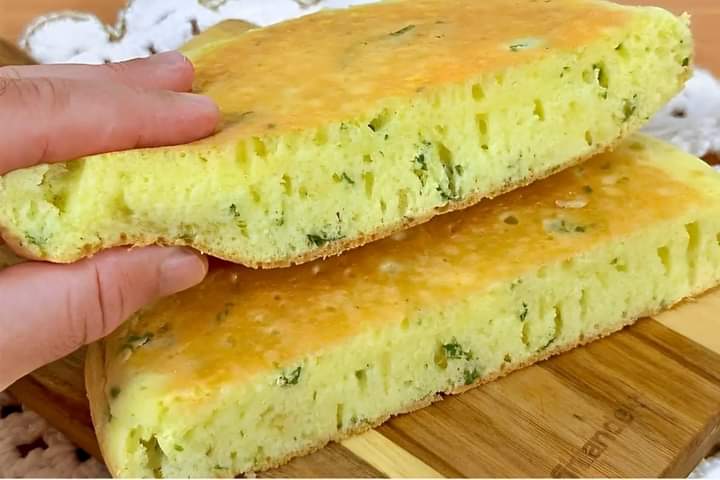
x,y
48,311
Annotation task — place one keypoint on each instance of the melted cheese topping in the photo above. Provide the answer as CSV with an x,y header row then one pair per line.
x,y
360,57
240,322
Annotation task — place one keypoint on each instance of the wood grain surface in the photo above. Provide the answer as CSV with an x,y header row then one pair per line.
x,y
642,403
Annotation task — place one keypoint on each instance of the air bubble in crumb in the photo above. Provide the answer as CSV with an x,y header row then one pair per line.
x,y
234,278
579,202
316,269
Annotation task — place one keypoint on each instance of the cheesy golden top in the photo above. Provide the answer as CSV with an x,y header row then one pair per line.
x,y
241,322
358,57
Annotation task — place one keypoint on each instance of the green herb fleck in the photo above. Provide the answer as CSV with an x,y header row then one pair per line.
x,y
133,342
321,239
402,31
178,448
515,47
564,226
471,376
459,169
587,189
115,392
511,220
222,316
422,163
344,177
36,240
451,191
242,225
686,61
420,169
454,350
280,219
629,108
290,379
549,342
524,312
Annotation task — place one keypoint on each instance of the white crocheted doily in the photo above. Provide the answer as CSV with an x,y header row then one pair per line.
x,y
28,446
31,448
692,119
148,26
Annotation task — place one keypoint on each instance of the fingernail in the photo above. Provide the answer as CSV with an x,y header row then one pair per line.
x,y
202,107
182,269
203,100
168,58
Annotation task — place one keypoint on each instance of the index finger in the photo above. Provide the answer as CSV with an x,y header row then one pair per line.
x,y
49,120
166,71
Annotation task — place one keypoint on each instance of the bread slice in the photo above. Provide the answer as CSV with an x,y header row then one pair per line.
x,y
252,368
344,126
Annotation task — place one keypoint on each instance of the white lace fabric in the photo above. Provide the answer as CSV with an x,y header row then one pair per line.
x,y
692,119
148,26
28,446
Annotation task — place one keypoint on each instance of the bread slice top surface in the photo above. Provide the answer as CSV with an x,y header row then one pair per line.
x,y
241,322
359,56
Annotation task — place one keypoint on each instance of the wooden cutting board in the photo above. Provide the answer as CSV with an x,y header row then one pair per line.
x,y
644,402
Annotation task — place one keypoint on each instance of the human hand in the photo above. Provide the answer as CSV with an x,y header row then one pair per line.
x,y
55,113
